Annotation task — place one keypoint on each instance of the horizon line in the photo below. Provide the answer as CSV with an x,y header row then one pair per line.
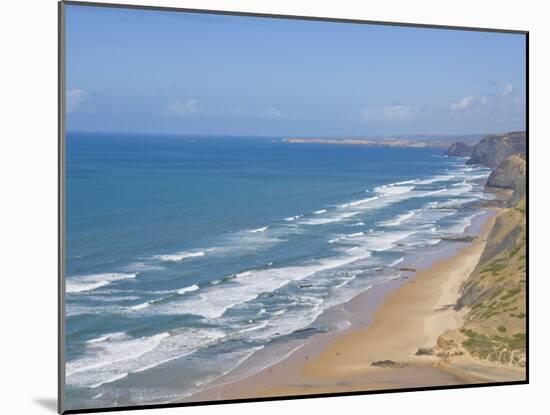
x,y
332,136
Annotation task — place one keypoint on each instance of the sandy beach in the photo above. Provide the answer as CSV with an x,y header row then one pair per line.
x,y
404,317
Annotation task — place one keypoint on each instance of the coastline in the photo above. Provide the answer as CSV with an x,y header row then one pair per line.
x,y
295,337
418,307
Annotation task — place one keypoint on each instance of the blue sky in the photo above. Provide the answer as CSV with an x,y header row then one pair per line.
x,y
169,72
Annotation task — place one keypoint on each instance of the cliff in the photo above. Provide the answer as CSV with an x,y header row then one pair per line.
x,y
511,175
494,296
494,329
460,150
491,150
494,149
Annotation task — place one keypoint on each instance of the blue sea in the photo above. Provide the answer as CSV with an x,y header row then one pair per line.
x,y
186,255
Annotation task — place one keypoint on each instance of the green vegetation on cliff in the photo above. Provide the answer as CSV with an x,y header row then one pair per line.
x,y
494,328
495,293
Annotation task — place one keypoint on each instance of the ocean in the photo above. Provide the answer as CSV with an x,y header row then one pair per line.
x,y
187,255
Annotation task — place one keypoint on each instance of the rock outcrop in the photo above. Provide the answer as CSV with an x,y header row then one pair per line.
x,y
510,174
388,364
494,149
460,150
491,150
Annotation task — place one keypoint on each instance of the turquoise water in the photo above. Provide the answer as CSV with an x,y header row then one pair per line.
x,y
185,255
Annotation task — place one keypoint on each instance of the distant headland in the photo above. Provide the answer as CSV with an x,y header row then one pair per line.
x,y
372,142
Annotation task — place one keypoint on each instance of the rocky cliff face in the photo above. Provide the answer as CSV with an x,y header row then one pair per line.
x,y
494,149
510,174
494,295
460,150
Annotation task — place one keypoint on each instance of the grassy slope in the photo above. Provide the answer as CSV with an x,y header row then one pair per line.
x,y
494,295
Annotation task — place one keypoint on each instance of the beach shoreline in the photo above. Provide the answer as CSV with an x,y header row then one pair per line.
x,y
274,294
418,307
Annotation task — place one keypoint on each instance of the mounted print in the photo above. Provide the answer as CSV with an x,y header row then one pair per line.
x,y
261,206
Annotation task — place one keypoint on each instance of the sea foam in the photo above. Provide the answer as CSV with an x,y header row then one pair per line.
x,y
180,256
399,219
189,289
113,357
215,300
393,190
262,229
91,282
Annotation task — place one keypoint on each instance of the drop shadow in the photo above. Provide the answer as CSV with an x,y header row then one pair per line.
x,y
48,403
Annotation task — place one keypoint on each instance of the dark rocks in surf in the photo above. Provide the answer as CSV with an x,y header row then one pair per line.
x,y
388,364
458,238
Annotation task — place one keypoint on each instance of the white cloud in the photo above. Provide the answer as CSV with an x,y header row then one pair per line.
x,y
463,104
394,112
238,111
272,113
193,107
484,103
182,109
366,114
508,89
473,105
276,114
76,99
398,112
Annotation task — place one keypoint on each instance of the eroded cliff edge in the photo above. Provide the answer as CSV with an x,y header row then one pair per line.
x,y
494,296
491,150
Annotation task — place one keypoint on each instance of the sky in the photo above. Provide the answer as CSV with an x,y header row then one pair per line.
x,y
130,70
